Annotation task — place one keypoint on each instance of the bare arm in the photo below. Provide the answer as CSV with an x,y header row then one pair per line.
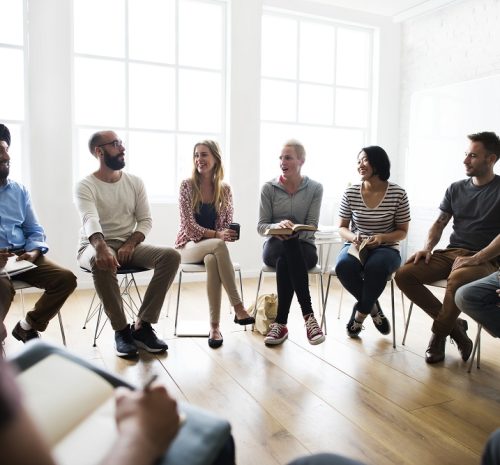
x,y
104,257
433,238
35,449
492,250
147,422
126,251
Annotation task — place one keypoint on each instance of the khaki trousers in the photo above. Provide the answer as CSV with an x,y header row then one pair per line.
x,y
411,279
220,272
163,260
58,284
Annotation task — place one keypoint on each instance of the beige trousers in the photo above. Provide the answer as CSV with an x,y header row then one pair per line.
x,y
163,260
220,272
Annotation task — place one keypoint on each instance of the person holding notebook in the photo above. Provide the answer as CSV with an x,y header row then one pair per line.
x,y
22,235
291,199
374,217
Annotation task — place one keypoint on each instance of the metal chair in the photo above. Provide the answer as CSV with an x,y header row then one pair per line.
x,y
389,279
197,268
19,286
126,284
476,348
316,271
442,283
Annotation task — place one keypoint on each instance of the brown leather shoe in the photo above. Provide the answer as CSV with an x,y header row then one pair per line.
x,y
464,342
24,334
435,351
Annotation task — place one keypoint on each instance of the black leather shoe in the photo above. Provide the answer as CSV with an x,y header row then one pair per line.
x,y
244,321
24,335
215,343
459,335
435,351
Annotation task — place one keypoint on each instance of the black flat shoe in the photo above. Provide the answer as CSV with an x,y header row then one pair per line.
x,y
244,321
215,343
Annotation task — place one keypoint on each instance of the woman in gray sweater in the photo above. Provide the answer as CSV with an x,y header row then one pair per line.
x,y
287,200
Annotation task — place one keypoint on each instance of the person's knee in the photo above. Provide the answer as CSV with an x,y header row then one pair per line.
x,y
68,280
170,257
209,260
460,297
403,275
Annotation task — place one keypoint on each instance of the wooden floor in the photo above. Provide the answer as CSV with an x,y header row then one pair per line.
x,y
359,397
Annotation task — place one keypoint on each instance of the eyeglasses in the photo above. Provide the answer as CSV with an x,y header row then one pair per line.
x,y
115,143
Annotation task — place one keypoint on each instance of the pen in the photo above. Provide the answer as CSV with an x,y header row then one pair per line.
x,y
149,382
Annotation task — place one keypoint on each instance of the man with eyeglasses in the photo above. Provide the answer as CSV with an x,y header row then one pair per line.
x,y
23,238
116,219
474,205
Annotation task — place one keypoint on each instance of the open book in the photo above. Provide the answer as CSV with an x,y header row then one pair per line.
x,y
15,266
359,252
72,404
289,231
73,407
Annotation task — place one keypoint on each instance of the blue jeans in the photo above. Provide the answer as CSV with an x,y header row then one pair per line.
x,y
480,301
367,282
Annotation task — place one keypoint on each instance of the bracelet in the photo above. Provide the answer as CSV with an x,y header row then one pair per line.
x,y
215,234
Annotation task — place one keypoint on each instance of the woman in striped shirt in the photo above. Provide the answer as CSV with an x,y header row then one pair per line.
x,y
374,217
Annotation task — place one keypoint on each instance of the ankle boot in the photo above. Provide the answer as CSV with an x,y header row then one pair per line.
x,y
459,335
435,351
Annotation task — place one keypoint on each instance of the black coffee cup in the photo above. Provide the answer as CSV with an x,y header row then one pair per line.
x,y
235,227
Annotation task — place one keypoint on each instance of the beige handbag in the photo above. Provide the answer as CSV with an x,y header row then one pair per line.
x,y
264,312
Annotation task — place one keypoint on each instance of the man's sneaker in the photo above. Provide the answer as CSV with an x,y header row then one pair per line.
x,y
24,334
125,345
354,327
314,333
276,335
145,338
381,322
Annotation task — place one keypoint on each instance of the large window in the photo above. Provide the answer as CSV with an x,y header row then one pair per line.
x,y
155,72
12,112
316,86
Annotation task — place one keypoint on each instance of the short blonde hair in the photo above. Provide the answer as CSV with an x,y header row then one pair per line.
x,y
298,147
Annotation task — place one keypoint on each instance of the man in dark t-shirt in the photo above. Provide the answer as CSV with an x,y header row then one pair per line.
x,y
474,205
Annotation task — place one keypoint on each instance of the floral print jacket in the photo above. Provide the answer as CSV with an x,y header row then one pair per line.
x,y
190,230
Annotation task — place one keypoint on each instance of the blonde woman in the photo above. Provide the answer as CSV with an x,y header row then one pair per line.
x,y
289,199
206,210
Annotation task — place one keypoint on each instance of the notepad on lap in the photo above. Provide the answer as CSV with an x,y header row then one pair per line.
x,y
73,407
14,267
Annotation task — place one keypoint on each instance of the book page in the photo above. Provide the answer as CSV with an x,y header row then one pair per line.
x,y
91,440
59,393
15,266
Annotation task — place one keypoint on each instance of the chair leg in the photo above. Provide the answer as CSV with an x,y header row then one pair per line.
x,y
241,291
92,311
325,302
63,336
407,322
257,297
177,306
393,316
477,347
340,301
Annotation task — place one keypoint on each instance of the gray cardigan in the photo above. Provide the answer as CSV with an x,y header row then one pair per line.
x,y
303,207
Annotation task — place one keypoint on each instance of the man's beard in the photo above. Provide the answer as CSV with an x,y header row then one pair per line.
x,y
114,163
4,174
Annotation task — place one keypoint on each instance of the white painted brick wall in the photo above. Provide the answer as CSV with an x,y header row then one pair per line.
x,y
456,43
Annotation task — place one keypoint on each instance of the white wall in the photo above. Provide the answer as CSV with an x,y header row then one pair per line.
x,y
458,43
49,129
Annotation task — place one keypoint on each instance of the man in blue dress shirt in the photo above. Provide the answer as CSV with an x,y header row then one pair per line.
x,y
22,235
